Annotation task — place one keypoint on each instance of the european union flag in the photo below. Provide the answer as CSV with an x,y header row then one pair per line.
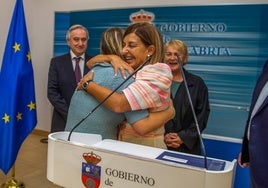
x,y
17,94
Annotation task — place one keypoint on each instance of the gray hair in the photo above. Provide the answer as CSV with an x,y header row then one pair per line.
x,y
73,27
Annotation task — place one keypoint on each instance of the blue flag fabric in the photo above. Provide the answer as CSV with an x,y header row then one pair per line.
x,y
17,95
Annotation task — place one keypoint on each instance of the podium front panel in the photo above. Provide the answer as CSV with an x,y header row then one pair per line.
x,y
110,163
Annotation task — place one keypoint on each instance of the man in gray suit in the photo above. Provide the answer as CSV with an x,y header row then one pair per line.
x,y
64,73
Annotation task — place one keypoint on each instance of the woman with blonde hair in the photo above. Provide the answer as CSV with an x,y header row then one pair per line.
x,y
180,132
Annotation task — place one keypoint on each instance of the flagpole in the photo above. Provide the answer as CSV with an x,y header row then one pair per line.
x,y
13,183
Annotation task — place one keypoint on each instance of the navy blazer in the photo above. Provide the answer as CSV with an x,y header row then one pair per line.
x,y
60,88
255,150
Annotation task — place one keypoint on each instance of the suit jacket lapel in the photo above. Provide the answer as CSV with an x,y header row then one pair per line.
x,y
70,70
265,103
260,84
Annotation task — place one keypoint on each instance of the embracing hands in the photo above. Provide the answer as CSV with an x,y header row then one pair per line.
x,y
120,65
87,77
117,62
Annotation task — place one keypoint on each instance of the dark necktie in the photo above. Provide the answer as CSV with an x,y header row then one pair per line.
x,y
77,69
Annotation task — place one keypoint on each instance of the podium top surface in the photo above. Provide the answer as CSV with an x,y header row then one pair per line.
x,y
161,155
143,152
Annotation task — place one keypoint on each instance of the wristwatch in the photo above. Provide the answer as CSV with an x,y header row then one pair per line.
x,y
85,84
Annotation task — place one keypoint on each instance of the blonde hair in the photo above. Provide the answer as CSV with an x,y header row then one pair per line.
x,y
111,41
181,47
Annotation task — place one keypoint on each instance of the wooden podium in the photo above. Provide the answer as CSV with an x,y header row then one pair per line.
x,y
88,161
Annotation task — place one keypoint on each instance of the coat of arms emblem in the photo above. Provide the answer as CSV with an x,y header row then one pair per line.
x,y
91,171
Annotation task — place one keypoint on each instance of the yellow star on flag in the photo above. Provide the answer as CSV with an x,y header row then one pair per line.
x,y
6,118
29,56
19,116
31,106
16,47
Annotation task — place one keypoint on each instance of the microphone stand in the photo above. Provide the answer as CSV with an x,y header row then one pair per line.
x,y
194,114
96,107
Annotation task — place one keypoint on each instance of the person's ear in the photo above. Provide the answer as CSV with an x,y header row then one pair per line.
x,y
151,50
68,42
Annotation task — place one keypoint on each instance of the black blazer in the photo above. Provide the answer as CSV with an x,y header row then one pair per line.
x,y
60,88
183,123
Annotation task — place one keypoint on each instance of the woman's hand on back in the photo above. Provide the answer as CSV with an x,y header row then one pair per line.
x,y
120,65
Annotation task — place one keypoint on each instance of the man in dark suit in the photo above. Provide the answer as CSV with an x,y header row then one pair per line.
x,y
255,142
62,79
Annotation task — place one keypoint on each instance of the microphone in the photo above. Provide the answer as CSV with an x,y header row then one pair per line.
x,y
96,107
194,114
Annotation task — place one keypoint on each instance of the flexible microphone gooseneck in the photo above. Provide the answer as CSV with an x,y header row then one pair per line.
x,y
194,114
96,107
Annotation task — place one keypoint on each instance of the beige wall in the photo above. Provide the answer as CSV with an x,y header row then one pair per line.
x,y
40,25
